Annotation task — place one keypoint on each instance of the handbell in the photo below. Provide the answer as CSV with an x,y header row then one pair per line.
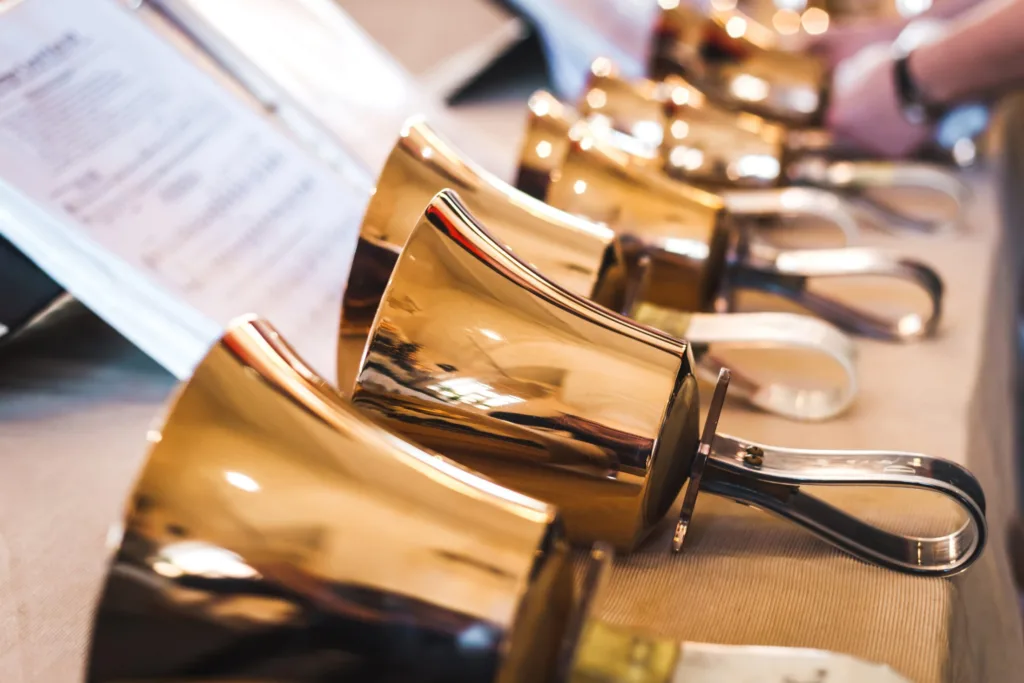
x,y
735,70
476,355
683,132
698,258
275,534
587,259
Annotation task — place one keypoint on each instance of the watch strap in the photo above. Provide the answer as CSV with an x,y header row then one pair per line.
x,y
915,105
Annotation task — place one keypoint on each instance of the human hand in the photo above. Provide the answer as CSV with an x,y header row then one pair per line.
x,y
865,112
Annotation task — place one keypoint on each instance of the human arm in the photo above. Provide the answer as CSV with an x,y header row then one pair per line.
x,y
980,55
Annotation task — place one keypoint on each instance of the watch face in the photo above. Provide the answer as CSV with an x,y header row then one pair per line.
x,y
25,290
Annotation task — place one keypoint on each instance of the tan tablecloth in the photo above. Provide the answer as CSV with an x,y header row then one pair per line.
x,y
75,405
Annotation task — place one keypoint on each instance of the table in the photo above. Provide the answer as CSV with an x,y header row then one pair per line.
x,y
76,401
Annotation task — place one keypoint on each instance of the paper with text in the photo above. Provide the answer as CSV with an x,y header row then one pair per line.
x,y
154,196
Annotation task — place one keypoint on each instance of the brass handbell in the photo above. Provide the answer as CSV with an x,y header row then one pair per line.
x,y
698,257
735,70
275,534
587,259
475,354
680,130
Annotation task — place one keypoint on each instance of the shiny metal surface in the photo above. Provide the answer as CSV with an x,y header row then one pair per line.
x,y
712,334
275,534
676,127
728,62
778,474
586,258
475,354
697,255
686,229
700,461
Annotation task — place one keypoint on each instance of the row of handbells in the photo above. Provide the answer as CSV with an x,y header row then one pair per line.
x,y
280,526
283,530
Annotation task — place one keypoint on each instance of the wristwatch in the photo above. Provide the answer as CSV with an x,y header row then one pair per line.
x,y
915,105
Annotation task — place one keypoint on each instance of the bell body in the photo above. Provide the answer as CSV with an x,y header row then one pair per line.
x,y
585,258
721,59
475,354
685,230
689,137
276,534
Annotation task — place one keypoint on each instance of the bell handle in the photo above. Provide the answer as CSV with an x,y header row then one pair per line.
x,y
786,273
770,478
795,202
718,332
855,178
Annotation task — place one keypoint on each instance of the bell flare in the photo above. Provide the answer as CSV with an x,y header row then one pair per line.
x,y
584,257
276,533
478,356
682,231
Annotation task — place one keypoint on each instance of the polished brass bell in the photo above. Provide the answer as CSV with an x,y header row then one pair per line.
x,y
726,61
586,258
476,355
676,127
274,534
697,254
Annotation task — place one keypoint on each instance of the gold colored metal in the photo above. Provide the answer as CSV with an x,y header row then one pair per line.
x,y
686,135
698,256
276,534
477,355
672,125
723,60
585,258
610,654
687,229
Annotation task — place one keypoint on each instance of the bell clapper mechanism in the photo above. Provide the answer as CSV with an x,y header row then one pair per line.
x,y
700,460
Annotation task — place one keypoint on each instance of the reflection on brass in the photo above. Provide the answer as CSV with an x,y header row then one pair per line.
x,y
476,355
274,534
685,134
689,231
586,258
675,127
721,58
698,257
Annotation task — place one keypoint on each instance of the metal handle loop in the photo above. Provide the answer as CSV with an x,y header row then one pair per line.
x,y
854,178
770,478
777,331
795,202
786,273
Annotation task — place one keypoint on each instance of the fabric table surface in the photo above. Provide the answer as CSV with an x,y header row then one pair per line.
x,y
76,401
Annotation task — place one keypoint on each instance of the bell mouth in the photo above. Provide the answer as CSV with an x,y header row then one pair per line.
x,y
371,270
674,448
